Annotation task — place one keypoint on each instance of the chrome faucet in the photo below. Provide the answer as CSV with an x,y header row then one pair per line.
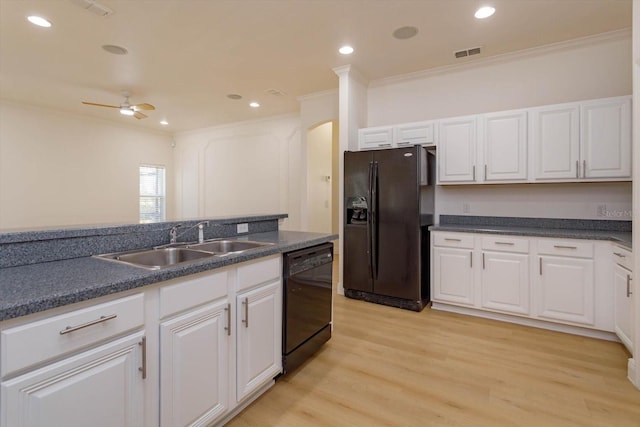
x,y
173,233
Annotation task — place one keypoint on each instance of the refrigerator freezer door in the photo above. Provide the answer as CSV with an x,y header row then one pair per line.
x,y
397,253
357,228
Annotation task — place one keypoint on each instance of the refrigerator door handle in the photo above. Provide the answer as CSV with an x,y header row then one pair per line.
x,y
369,222
374,225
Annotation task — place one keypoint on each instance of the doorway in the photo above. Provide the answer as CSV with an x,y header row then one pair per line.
x,y
322,178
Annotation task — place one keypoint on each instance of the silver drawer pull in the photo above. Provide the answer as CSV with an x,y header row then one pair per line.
x,y
619,255
564,247
505,243
85,325
452,240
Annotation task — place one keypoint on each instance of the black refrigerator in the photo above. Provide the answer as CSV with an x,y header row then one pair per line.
x,y
389,205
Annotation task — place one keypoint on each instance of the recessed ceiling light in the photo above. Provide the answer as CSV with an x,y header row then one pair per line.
x,y
234,96
346,50
403,33
116,50
484,12
254,104
39,21
164,122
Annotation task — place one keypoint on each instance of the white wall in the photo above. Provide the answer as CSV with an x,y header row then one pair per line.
x,y
595,67
242,168
319,181
60,169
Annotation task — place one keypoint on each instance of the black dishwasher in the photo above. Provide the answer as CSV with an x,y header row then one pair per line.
x,y
306,323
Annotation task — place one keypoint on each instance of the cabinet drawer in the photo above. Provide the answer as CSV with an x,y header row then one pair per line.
x,y
572,248
198,290
453,240
69,332
257,272
505,244
623,257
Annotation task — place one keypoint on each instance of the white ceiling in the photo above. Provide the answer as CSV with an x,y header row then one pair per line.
x,y
185,56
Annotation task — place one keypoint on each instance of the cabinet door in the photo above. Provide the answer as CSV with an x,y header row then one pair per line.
x,y
505,282
504,137
102,387
259,326
622,282
457,150
606,138
194,366
453,276
565,290
555,135
376,137
414,134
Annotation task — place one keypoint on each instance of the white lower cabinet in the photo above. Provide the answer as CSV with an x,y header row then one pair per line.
x,y
453,275
259,332
505,282
101,387
543,279
194,374
565,290
623,295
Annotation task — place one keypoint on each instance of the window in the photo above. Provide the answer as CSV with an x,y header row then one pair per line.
x,y
152,194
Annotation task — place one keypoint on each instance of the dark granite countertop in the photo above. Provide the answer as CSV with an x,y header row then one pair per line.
x,y
621,237
38,287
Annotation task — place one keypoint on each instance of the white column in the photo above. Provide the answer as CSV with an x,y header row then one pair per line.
x,y
352,100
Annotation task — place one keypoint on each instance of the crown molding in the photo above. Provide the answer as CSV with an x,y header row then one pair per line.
x,y
315,95
624,33
351,71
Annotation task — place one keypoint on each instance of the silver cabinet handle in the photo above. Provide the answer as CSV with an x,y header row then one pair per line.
x,y
228,327
448,239
471,259
577,169
404,143
504,243
629,293
384,145
474,172
143,369
619,255
483,260
485,172
86,325
584,168
540,263
246,312
564,247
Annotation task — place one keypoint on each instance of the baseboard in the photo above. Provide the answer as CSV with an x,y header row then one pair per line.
x,y
632,373
569,329
246,403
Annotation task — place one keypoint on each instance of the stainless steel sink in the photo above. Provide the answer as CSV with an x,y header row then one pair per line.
x,y
163,257
155,259
227,246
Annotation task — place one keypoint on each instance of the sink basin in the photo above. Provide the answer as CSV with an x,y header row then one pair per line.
x,y
227,246
155,259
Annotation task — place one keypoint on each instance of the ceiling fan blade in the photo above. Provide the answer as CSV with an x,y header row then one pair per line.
x,y
100,105
145,106
139,115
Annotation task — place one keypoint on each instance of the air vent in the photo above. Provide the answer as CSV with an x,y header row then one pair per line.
x,y
93,7
467,52
275,92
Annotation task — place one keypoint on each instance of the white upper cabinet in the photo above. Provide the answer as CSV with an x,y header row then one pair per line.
x,y
587,140
457,139
419,133
503,138
375,138
606,138
555,136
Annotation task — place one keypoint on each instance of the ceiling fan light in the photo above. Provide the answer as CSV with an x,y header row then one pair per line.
x,y
127,111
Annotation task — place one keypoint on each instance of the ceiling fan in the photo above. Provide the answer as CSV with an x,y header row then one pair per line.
x,y
126,108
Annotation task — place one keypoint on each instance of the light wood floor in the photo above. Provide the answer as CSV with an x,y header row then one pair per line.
x,y
391,367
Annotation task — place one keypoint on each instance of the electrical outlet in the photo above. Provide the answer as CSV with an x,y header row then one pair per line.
x,y
466,208
243,228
